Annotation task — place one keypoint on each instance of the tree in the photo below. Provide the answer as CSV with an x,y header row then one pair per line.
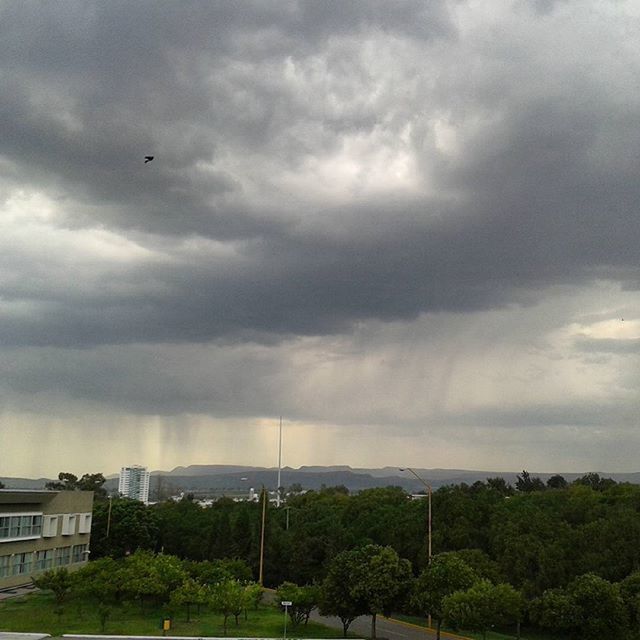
x,y
253,595
104,613
336,596
228,598
601,610
500,485
630,592
189,593
526,484
57,580
303,601
380,579
446,574
594,481
555,609
66,482
482,606
589,608
557,482
70,482
102,580
93,482
152,576
132,526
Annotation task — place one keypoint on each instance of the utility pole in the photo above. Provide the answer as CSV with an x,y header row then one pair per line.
x,y
427,486
109,516
264,517
279,465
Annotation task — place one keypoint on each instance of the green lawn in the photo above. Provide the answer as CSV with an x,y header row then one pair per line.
x,y
35,613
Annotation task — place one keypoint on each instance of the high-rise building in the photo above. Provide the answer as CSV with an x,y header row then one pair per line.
x,y
134,483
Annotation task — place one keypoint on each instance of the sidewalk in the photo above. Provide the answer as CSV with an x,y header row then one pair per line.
x,y
15,592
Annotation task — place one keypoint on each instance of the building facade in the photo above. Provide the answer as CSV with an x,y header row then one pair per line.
x,y
41,530
134,483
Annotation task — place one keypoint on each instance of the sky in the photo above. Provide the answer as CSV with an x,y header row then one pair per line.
x,y
411,229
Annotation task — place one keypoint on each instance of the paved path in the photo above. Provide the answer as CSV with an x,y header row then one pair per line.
x,y
17,591
385,628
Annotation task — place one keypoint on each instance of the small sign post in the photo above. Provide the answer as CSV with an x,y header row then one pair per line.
x,y
286,604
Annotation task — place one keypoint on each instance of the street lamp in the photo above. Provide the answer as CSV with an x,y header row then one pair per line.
x,y
428,488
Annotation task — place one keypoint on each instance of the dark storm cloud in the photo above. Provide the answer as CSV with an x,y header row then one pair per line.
x,y
543,191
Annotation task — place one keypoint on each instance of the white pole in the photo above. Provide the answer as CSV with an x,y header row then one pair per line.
x,y
279,465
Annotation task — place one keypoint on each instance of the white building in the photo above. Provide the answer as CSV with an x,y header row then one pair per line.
x,y
134,483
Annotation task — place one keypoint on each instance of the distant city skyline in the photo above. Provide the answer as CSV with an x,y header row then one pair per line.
x,y
411,229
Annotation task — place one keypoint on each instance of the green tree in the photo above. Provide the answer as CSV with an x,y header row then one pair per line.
x,y
446,574
526,484
131,526
336,596
500,485
556,610
189,593
380,579
601,610
630,592
589,608
228,598
66,482
104,613
70,482
59,581
483,606
93,482
102,580
557,482
595,482
152,577
303,601
253,596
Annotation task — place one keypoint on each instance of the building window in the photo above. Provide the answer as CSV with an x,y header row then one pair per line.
x,y
69,524
49,526
5,566
44,560
79,552
14,527
22,563
84,524
63,556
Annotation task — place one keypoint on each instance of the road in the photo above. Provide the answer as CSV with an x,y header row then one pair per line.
x,y
385,628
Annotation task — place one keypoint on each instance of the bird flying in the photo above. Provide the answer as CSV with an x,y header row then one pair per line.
x,y
148,159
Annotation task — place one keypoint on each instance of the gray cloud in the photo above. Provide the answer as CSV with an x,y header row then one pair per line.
x,y
540,191
321,169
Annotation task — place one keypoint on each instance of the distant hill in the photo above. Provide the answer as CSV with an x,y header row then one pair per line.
x,y
237,479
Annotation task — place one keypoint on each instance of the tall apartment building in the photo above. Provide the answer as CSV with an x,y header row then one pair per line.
x,y
42,530
134,483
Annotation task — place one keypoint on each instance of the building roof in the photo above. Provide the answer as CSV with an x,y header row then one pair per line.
x,y
22,496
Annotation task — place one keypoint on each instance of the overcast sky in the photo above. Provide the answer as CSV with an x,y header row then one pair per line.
x,y
409,228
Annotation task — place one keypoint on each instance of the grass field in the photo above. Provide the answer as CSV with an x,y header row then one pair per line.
x,y
35,613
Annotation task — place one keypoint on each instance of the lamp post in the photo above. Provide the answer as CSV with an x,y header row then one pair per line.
x,y
428,488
